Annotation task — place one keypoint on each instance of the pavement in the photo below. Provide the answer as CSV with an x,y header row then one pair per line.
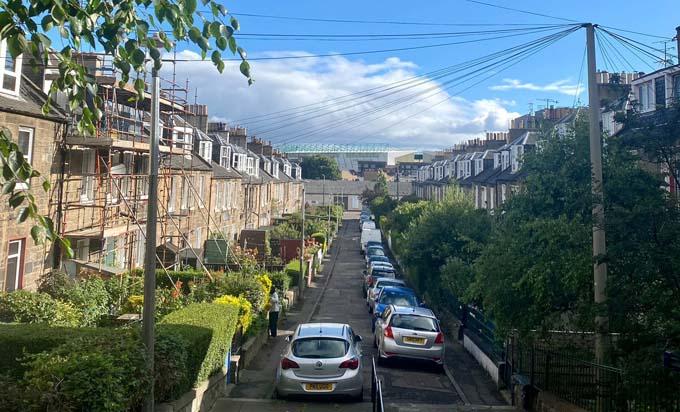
x,y
407,386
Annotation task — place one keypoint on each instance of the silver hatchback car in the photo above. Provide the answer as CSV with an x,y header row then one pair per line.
x,y
409,332
321,359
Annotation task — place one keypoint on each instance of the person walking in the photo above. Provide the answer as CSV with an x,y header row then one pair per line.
x,y
274,309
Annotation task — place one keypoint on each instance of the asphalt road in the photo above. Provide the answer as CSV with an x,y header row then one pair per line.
x,y
336,296
343,302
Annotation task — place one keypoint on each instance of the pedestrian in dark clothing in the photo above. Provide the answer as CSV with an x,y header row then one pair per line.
x,y
274,309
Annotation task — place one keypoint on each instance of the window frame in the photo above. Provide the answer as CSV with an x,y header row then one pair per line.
x,y
21,256
4,54
28,156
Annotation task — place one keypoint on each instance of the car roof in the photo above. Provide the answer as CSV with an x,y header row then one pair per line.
x,y
335,330
413,310
401,282
378,257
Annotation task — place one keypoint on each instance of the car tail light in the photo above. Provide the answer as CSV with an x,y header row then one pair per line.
x,y
440,338
288,364
370,281
388,332
350,364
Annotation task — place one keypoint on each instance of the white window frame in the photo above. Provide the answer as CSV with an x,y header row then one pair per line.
x,y
201,184
171,195
182,137
4,56
184,194
225,155
503,193
87,169
225,195
646,96
218,195
205,150
28,156
19,256
250,165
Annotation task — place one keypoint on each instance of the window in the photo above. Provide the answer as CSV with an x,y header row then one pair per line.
x,y
25,143
660,91
10,71
205,150
676,88
201,183
87,186
646,96
225,154
15,271
503,193
250,165
171,195
182,137
83,249
257,167
225,195
218,196
184,201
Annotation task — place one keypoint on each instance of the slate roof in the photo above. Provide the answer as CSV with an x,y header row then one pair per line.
x,y
508,176
220,172
190,161
30,102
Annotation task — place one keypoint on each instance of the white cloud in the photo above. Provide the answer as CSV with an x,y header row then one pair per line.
x,y
283,84
560,86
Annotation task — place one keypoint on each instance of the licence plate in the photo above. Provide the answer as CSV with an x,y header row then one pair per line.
x,y
416,341
319,387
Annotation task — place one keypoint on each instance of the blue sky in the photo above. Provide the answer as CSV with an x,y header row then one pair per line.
x,y
550,74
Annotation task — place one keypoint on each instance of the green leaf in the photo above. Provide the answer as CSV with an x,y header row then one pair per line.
x,y
47,23
232,45
190,6
16,199
194,34
245,68
221,42
16,45
46,185
37,233
138,57
222,9
76,26
154,53
217,59
226,31
8,187
215,28
139,87
23,214
234,23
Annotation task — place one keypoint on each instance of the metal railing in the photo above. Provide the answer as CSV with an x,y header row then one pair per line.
x,y
376,389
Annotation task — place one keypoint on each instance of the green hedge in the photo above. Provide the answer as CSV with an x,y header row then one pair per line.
x,y
281,280
293,271
207,329
17,340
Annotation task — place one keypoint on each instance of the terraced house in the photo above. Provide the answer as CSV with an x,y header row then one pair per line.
x,y
210,184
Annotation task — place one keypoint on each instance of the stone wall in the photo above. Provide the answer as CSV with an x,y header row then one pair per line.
x,y
35,257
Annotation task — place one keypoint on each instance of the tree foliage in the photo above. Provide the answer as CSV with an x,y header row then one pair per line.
x,y
318,167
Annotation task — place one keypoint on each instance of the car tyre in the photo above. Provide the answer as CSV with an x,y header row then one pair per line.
x,y
439,369
381,360
359,397
277,395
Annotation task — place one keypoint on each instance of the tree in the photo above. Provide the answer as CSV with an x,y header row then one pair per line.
x,y
133,32
317,167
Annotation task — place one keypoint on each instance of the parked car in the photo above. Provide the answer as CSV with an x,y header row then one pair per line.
x,y
378,284
374,251
367,224
374,243
375,273
409,332
378,259
370,235
393,295
321,359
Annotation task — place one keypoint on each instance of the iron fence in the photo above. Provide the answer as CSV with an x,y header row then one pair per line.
x,y
376,390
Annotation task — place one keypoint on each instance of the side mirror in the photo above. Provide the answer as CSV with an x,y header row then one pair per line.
x,y
289,338
358,338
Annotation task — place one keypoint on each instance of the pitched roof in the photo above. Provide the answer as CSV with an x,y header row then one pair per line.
x,y
30,102
220,172
190,161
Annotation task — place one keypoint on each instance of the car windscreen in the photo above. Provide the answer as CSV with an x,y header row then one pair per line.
x,y
386,283
397,299
324,348
378,258
375,251
415,322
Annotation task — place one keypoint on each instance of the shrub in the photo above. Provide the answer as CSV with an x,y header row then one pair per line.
x,y
293,271
207,329
280,280
90,297
245,314
54,283
186,277
27,307
21,339
242,285
170,363
67,315
105,373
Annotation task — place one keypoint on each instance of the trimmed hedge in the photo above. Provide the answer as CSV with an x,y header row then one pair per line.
x,y
18,340
207,329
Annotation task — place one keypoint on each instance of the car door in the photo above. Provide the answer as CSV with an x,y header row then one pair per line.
x,y
380,325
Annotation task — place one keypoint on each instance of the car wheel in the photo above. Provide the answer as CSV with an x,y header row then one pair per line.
x,y
277,395
381,360
359,397
439,368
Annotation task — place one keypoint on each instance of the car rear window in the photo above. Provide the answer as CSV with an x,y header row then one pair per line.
x,y
323,348
383,284
398,299
415,322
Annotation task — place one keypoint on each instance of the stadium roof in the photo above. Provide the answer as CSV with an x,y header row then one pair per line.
x,y
335,148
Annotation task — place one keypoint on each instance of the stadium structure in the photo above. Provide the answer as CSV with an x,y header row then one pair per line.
x,y
350,157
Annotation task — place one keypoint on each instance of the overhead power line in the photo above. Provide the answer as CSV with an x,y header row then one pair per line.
x,y
521,11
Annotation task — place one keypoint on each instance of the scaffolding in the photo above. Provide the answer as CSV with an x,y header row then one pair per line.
x,y
104,180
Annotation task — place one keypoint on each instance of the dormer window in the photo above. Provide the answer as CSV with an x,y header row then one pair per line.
x,y
275,169
257,168
225,154
205,150
10,71
182,137
250,165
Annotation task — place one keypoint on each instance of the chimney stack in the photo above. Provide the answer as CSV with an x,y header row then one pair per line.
x,y
197,116
677,39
